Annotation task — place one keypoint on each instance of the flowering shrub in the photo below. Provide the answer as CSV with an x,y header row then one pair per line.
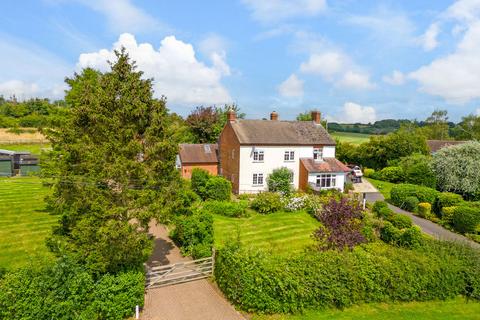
x,y
294,203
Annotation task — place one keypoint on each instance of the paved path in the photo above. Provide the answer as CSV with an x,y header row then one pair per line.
x,y
187,301
427,226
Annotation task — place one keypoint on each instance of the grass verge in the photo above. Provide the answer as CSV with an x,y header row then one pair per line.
x,y
383,186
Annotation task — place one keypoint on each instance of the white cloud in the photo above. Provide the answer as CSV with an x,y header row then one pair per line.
x,y
355,113
269,11
18,88
214,47
123,15
464,10
336,67
176,71
478,111
291,87
396,78
429,38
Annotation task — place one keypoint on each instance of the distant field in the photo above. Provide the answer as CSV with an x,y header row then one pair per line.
x,y
24,224
355,138
456,309
280,231
32,136
34,148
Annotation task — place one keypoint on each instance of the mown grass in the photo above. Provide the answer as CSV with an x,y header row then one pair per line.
x,y
33,148
24,224
352,137
456,309
281,232
383,186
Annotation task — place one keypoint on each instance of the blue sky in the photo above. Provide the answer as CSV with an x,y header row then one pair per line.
x,y
353,60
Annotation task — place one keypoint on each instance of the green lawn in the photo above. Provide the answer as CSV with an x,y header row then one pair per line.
x,y
281,231
383,186
34,148
355,138
23,222
456,309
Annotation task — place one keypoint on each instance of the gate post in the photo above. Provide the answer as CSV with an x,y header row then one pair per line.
x,y
213,261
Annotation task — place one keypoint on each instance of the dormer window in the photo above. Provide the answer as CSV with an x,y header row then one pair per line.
x,y
318,154
258,156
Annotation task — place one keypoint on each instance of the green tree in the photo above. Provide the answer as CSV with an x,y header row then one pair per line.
x,y
437,125
417,170
280,180
113,160
468,128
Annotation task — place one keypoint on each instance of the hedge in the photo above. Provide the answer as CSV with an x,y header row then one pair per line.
x,y
65,290
226,208
465,219
425,210
267,202
194,234
256,281
400,192
218,188
446,199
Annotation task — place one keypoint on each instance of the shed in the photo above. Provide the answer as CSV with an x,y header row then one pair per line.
x,y
201,155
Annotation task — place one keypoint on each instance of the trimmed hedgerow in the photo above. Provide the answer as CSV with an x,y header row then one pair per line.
x,y
446,199
256,281
218,188
401,221
465,219
226,208
410,204
401,192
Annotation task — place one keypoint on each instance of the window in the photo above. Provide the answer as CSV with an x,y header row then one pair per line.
x,y
258,179
258,156
326,180
289,156
318,154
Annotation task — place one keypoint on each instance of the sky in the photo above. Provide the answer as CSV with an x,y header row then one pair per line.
x,y
355,61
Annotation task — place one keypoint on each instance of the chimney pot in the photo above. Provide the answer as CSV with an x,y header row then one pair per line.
x,y
316,117
274,116
231,116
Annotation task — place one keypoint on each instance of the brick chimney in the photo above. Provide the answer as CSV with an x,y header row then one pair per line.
x,y
274,116
316,117
231,116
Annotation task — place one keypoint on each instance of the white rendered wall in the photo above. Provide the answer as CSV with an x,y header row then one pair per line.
x,y
329,151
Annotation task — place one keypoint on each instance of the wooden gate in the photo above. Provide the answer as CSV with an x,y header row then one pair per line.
x,y
160,276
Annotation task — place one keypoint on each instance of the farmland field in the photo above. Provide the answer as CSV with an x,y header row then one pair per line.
x,y
279,232
33,148
24,224
352,137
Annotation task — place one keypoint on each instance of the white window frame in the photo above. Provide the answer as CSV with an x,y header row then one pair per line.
x,y
326,180
258,156
289,156
257,179
318,154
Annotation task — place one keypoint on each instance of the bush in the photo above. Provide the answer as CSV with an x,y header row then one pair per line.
x,y
389,233
378,205
446,199
256,281
401,221
425,210
226,208
465,219
267,202
410,204
194,233
386,213
218,188
367,172
65,290
411,237
294,203
391,174
313,203
417,170
280,181
400,192
447,214
199,181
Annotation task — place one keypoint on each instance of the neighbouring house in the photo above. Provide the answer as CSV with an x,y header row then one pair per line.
x,y
435,145
202,156
249,150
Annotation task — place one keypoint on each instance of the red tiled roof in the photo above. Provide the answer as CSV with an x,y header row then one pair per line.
x,y
327,165
198,153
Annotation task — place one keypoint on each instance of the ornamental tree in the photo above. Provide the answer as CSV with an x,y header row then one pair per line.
x,y
280,180
341,225
113,163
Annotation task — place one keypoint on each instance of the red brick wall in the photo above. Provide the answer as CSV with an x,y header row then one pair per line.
x,y
229,156
187,169
302,177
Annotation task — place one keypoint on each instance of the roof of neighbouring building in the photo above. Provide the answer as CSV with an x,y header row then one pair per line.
x,y
198,153
327,165
268,132
435,145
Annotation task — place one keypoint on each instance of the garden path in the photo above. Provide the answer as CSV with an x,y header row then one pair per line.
x,y
192,300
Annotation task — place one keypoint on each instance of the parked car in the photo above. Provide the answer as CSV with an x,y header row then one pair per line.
x,y
356,173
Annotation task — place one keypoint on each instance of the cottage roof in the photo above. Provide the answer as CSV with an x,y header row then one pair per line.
x,y
198,153
327,165
268,132
435,145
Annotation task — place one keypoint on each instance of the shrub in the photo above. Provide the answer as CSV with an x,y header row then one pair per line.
x,y
411,237
280,181
267,202
391,174
185,200
194,233
199,181
389,233
348,187
226,208
410,204
465,219
417,170
425,210
294,203
256,281
400,192
218,188
367,172
447,214
313,203
401,221
386,213
446,199
379,205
